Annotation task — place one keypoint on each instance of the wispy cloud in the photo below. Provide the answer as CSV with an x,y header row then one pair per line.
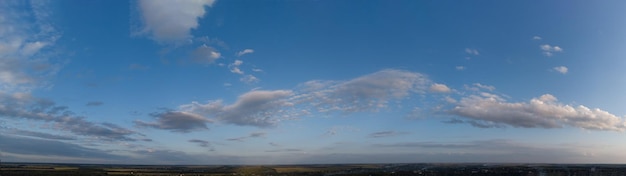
x,y
366,93
244,52
381,134
472,51
536,38
460,68
40,134
251,135
203,143
486,87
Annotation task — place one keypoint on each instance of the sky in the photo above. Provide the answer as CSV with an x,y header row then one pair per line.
x,y
312,82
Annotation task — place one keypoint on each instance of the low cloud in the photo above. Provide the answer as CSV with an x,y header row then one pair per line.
x,y
176,121
24,106
203,143
40,147
40,134
541,112
536,38
285,150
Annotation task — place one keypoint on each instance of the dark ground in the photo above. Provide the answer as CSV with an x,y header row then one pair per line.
x,y
27,169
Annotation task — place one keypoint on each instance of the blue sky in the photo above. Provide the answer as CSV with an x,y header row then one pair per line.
x,y
305,82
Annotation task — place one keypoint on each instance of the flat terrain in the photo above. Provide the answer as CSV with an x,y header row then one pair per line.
x,y
26,169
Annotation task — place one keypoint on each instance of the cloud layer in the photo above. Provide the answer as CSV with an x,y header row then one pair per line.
x,y
24,106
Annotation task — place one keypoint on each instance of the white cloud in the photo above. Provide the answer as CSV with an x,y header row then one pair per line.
x,y
255,108
472,51
549,50
561,69
439,88
205,54
170,21
234,67
460,67
257,70
542,112
236,70
536,38
244,52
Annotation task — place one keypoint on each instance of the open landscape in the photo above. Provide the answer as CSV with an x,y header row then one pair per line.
x,y
23,169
